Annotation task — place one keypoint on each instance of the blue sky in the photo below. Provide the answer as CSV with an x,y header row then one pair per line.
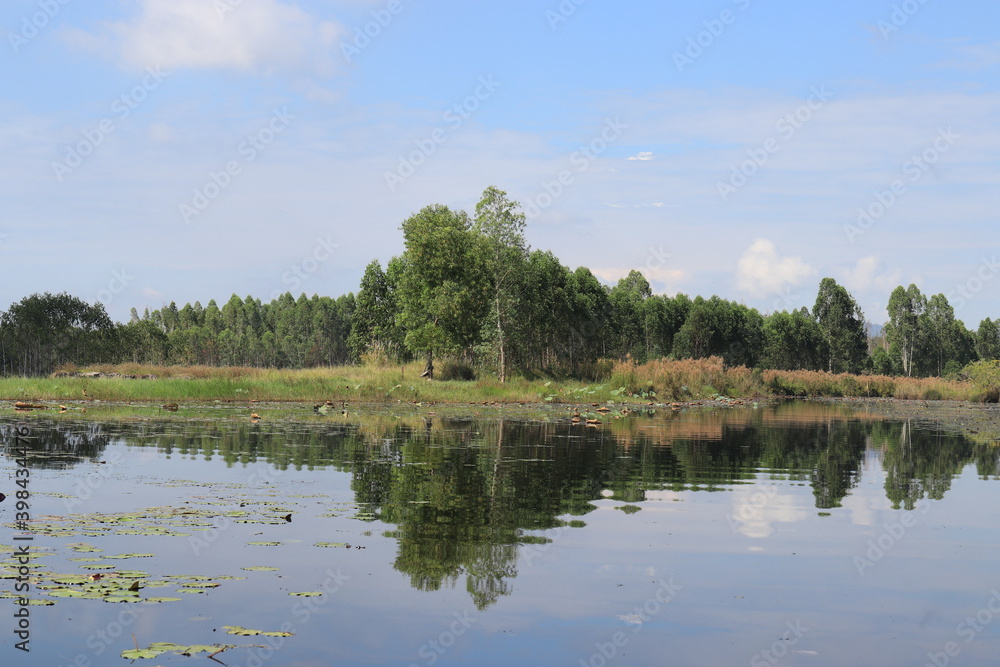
x,y
180,150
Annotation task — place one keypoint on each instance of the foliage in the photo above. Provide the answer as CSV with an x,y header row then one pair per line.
x,y
843,326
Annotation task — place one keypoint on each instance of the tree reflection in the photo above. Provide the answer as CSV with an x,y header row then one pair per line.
x,y
465,496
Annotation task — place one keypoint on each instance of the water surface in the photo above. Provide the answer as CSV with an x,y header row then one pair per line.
x,y
794,533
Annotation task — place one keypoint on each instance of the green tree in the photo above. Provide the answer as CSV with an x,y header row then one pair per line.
x,y
629,326
793,341
906,306
988,339
500,223
442,295
843,326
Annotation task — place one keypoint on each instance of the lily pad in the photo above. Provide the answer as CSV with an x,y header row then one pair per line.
x,y
260,568
247,632
264,544
132,556
307,594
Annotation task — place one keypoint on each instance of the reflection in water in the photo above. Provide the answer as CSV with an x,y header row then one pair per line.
x,y
463,493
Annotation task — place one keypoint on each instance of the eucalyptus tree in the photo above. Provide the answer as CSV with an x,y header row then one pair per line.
x,y
43,331
988,339
500,224
906,306
843,326
793,341
629,326
442,290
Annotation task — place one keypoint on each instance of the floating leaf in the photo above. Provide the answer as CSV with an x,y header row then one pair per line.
x,y
307,594
263,568
67,593
330,544
264,544
132,556
246,632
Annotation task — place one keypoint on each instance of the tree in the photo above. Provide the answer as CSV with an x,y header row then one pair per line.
x,y
441,291
988,339
905,310
500,223
716,327
793,341
42,331
843,326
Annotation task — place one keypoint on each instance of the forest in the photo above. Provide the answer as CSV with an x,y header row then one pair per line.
x,y
469,294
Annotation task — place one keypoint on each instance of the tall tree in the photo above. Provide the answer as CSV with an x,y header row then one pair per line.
x,y
501,223
906,306
843,326
441,290
988,339
793,341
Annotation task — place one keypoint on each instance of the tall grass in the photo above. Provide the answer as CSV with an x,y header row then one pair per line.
x,y
687,379
659,380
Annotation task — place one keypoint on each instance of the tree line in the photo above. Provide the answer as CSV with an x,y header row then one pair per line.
x,y
469,292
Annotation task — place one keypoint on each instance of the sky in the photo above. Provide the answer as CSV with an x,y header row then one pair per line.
x,y
186,150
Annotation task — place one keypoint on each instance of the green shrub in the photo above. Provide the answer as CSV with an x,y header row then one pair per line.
x,y
456,369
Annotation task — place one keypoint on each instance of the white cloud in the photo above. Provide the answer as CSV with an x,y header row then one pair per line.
x,y
868,273
259,37
762,272
643,156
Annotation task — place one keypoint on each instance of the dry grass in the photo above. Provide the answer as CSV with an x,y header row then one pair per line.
x,y
664,380
700,378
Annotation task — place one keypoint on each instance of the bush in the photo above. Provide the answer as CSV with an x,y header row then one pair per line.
x,y
985,376
456,369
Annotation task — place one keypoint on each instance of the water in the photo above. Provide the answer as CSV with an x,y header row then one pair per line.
x,y
792,534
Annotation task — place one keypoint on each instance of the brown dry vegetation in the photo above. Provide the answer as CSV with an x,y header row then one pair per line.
x,y
700,378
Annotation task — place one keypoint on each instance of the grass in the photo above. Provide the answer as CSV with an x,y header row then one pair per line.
x,y
655,381
351,383
691,379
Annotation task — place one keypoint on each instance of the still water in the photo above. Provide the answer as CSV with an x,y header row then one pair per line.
x,y
792,534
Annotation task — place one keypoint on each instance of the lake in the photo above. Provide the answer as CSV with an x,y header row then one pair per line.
x,y
792,533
